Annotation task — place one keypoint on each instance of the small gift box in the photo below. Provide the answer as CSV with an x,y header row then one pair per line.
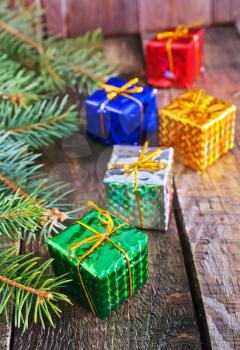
x,y
138,185
121,112
200,127
174,57
106,259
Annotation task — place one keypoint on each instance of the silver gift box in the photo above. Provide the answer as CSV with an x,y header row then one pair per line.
x,y
149,204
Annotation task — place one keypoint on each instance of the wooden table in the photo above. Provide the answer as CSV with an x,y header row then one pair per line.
x,y
192,299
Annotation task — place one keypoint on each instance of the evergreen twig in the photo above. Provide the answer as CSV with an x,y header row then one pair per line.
x,y
28,287
19,174
78,62
38,124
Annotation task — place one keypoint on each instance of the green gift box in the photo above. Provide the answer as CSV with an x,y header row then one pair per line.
x,y
106,259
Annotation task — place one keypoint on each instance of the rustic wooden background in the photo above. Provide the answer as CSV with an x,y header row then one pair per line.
x,y
73,17
192,299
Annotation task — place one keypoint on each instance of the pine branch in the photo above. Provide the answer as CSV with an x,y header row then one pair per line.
x,y
46,217
39,123
17,85
80,62
19,36
17,164
18,214
28,287
19,173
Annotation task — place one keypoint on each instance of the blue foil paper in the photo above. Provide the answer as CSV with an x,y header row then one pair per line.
x,y
122,116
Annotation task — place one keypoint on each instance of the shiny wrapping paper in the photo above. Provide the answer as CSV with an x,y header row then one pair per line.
x,y
124,123
200,127
105,271
187,53
154,189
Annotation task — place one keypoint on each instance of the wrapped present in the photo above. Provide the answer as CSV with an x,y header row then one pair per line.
x,y
121,112
106,259
200,127
174,57
138,185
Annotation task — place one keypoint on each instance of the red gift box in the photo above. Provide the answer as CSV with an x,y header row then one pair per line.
x,y
174,57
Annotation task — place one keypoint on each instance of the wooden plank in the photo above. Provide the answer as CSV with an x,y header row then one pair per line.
x,y
74,17
221,11
5,334
125,52
56,17
113,17
210,204
159,316
157,14
235,10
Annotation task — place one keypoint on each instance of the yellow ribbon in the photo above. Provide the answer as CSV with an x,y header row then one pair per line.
x,y
97,239
181,31
126,90
196,105
145,162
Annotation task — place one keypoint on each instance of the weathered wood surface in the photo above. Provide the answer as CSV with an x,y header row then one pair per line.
x,y
74,17
57,17
160,316
158,14
210,203
71,17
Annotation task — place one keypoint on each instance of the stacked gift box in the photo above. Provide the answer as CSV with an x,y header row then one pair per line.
x,y
106,251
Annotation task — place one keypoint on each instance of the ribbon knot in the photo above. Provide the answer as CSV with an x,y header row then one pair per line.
x,y
197,105
126,90
97,238
145,162
181,31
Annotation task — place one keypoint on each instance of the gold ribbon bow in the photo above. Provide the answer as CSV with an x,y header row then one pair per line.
x,y
145,162
197,105
181,31
126,90
97,239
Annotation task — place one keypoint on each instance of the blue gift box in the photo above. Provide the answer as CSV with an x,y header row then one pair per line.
x,y
121,120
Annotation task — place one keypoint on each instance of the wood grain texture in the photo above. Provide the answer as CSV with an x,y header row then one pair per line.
x,y
125,52
5,334
57,17
210,203
157,14
160,316
225,11
114,17
235,10
221,11
74,17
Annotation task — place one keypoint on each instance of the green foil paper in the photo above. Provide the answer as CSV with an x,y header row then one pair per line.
x,y
155,189
105,271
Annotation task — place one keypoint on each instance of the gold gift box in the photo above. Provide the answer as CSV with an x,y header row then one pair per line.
x,y
200,127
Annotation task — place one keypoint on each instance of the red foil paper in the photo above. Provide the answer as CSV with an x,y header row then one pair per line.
x,y
187,53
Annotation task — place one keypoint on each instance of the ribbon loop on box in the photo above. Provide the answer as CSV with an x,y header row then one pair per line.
x,y
145,162
181,31
97,239
196,104
126,90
